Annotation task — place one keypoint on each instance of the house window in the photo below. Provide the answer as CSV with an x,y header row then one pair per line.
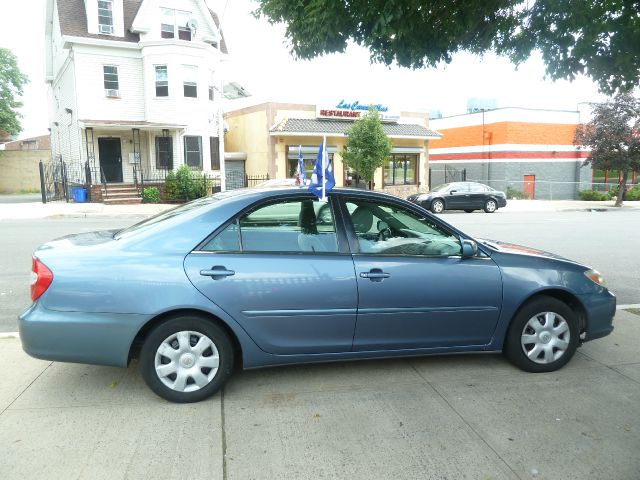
x,y
214,148
211,86
193,152
175,20
111,87
162,81
105,16
164,153
401,170
190,81
210,93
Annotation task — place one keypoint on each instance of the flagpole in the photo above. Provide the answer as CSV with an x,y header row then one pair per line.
x,y
324,167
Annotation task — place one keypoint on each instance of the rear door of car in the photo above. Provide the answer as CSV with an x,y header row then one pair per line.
x,y
478,195
415,290
284,273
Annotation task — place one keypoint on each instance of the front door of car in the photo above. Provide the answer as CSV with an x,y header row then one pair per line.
x,y
457,197
414,288
280,271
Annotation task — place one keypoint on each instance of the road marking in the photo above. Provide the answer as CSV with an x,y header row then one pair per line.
x,y
631,305
9,335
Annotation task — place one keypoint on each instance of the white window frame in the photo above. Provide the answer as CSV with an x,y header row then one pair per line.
x,y
155,70
105,28
111,92
176,27
189,74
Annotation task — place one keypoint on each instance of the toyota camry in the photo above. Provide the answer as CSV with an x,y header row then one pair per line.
x,y
264,277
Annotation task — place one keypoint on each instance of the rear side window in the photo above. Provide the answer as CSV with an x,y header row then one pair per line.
x,y
293,226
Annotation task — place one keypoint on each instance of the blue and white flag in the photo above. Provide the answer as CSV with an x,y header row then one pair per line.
x,y
301,175
322,180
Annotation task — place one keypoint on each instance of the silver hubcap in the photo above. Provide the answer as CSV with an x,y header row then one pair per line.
x,y
491,206
187,361
438,206
545,337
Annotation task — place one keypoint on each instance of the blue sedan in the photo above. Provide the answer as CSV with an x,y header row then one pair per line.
x,y
273,277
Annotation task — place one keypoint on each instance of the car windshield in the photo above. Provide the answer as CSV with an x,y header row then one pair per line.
x,y
161,217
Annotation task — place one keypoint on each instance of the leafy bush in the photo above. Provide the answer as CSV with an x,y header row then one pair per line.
x,y
633,194
151,195
593,195
513,193
184,185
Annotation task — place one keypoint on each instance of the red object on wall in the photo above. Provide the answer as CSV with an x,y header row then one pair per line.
x,y
530,186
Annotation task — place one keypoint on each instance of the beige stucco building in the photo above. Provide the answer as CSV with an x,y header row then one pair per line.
x,y
270,136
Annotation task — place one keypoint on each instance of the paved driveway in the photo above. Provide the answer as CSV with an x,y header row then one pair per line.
x,y
454,417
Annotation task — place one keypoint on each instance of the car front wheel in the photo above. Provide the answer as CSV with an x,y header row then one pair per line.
x,y
543,336
186,359
490,206
437,206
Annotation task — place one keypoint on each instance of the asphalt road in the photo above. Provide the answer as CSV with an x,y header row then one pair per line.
x,y
606,241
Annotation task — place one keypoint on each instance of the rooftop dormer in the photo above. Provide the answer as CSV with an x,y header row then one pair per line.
x,y
105,17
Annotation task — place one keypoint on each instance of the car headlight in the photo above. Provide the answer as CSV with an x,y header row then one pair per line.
x,y
595,277
424,197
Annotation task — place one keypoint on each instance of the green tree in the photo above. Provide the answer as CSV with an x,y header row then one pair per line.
x,y
613,138
600,39
367,147
12,81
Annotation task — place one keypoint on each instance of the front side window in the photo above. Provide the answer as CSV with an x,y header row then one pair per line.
x,y
162,81
387,229
190,80
193,152
105,16
401,170
164,153
111,86
293,226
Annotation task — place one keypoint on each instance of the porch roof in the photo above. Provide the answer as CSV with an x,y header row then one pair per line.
x,y
122,124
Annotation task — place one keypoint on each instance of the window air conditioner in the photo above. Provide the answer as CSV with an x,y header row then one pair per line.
x,y
112,93
106,28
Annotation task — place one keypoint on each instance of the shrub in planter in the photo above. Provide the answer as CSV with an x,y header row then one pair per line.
x,y
151,195
184,185
633,194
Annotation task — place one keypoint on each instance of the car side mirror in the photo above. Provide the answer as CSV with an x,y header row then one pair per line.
x,y
469,248
382,225
451,192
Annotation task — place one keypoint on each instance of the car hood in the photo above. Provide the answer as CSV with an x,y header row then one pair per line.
x,y
515,249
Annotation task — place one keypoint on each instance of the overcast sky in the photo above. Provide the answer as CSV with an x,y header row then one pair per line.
x,y
260,62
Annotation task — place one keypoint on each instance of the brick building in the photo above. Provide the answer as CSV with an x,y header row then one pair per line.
x,y
525,149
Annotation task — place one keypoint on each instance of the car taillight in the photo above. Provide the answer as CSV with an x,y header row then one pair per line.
x,y
41,278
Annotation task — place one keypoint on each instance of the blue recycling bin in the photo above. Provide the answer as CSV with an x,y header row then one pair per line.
x,y
80,195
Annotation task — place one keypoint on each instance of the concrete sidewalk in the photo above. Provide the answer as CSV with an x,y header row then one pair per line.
x,y
447,417
28,210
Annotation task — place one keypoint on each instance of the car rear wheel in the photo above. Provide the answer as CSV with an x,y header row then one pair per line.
x,y
543,336
186,359
490,206
437,206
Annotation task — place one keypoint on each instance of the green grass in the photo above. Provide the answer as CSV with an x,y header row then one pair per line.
x,y
633,310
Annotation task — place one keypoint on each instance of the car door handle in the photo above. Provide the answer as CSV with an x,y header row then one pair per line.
x,y
217,272
375,275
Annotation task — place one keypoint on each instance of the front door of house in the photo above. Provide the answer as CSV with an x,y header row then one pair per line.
x,y
110,158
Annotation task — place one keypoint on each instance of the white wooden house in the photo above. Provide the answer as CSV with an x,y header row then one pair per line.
x,y
134,86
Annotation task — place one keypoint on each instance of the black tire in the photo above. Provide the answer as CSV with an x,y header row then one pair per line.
x,y
469,210
437,205
198,327
514,347
490,206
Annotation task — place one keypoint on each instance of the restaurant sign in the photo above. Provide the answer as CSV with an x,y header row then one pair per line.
x,y
351,111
